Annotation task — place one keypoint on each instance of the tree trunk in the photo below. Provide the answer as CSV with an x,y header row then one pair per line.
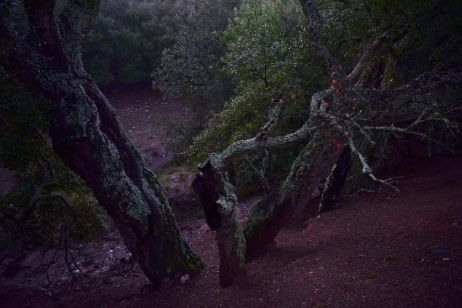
x,y
88,137
219,199
219,202
86,134
335,182
268,216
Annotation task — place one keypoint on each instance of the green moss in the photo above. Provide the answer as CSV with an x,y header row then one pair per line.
x,y
40,209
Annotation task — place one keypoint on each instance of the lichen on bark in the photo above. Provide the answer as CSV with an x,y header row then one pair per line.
x,y
88,137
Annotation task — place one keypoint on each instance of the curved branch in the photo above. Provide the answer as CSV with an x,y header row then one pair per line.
x,y
263,141
364,59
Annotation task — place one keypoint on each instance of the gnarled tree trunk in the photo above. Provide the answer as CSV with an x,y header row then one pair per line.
x,y
88,137
219,201
269,216
313,163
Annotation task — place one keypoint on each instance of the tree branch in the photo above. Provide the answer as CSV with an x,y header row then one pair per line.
x,y
314,23
74,23
366,168
364,59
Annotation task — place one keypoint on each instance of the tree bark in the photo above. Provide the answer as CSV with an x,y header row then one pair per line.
x,y
335,182
88,137
269,216
219,202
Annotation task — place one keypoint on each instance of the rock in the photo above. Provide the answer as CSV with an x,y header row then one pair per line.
x,y
185,279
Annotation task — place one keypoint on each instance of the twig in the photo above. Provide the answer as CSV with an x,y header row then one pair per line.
x,y
260,173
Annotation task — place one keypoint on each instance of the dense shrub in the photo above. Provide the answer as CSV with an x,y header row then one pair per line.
x,y
125,45
192,68
267,57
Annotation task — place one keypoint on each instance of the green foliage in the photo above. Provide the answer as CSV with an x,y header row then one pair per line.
x,y
267,57
427,33
48,198
23,124
127,40
266,46
49,202
192,67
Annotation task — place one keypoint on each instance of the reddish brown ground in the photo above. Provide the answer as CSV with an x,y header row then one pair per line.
x,y
378,249
147,119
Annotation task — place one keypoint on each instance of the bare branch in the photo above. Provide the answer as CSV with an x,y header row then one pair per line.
x,y
363,60
260,173
366,168
393,129
261,140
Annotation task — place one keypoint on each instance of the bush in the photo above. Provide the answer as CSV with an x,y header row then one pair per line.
x,y
267,57
191,69
50,202
125,45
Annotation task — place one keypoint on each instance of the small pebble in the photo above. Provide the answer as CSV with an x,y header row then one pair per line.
x,y
185,278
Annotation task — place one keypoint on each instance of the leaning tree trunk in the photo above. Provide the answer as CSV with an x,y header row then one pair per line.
x,y
88,137
269,216
316,159
96,148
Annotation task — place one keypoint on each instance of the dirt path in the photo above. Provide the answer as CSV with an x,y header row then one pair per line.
x,y
147,118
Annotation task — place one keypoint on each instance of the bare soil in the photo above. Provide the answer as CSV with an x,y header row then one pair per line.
x,y
148,120
383,249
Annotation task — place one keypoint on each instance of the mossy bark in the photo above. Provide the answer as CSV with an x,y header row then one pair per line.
x,y
88,137
268,216
219,201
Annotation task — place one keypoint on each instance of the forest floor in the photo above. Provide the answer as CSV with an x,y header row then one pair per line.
x,y
383,249
149,121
